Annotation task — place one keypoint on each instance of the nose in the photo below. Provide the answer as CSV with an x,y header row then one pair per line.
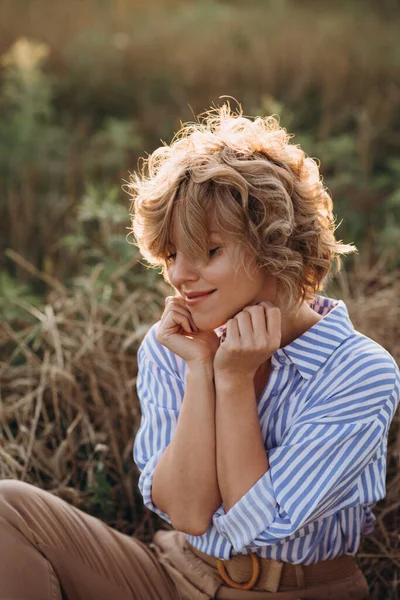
x,y
182,270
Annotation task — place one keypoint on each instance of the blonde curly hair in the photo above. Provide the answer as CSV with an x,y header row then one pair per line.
x,y
260,188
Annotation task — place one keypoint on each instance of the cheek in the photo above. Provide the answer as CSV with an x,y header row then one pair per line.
x,y
168,275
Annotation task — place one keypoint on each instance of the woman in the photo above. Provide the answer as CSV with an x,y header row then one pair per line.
x,y
264,413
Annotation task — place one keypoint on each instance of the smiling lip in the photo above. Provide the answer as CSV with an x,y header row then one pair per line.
x,y
197,299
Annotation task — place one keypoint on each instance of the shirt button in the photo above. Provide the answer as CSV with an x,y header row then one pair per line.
x,y
281,359
274,394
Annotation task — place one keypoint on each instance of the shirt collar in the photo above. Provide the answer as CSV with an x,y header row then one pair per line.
x,y
311,350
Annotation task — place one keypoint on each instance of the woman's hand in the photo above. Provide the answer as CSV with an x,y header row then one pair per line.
x,y
252,336
178,332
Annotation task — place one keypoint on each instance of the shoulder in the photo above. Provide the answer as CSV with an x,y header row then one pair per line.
x,y
359,353
150,350
355,351
378,373
361,381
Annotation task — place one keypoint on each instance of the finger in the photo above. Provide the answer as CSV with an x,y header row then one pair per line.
x,y
273,316
266,304
245,326
179,301
176,302
176,318
258,319
232,332
178,307
173,303
273,320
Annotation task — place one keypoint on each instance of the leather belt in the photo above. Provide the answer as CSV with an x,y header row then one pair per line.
x,y
249,571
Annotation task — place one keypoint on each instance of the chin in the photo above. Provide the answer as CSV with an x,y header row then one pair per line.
x,y
208,323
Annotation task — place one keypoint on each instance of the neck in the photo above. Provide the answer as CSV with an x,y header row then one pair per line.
x,y
294,325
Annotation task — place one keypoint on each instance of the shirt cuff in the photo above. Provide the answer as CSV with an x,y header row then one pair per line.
x,y
145,484
250,516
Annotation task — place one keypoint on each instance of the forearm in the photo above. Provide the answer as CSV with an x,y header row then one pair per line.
x,y
185,482
241,456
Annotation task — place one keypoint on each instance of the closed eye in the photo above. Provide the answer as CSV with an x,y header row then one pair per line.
x,y
212,252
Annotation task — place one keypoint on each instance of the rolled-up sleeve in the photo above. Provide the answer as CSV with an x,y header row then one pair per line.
x,y
160,391
317,468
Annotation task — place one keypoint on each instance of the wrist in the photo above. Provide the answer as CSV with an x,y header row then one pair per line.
x,y
200,368
233,380
234,390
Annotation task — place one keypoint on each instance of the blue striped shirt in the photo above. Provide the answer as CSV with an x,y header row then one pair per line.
x,y
324,416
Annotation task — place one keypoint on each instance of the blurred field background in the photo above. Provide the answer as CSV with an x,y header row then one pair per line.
x,y
86,88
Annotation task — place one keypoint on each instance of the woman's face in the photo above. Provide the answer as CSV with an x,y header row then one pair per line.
x,y
231,290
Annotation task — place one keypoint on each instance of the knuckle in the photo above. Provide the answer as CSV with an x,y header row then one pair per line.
x,y
267,304
173,300
231,347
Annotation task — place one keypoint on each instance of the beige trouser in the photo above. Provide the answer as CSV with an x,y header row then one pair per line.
x,y
50,550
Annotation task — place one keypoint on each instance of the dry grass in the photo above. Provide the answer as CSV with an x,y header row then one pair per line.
x,y
69,412
68,409
372,297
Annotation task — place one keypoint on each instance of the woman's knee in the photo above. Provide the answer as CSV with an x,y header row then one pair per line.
x,y
12,492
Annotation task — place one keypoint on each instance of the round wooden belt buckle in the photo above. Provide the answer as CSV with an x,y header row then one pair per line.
x,y
246,585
